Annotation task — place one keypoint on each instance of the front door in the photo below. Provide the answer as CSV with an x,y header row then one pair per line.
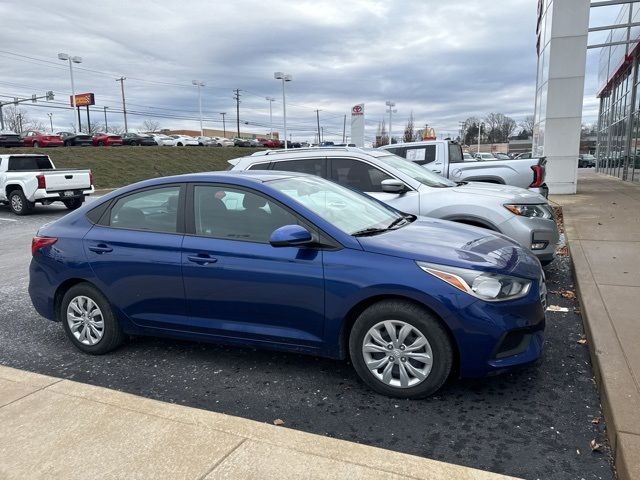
x,y
239,286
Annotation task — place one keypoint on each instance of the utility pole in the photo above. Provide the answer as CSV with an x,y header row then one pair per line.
x,y
124,105
199,84
224,127
322,134
480,125
106,125
318,119
344,129
19,117
51,121
236,97
462,131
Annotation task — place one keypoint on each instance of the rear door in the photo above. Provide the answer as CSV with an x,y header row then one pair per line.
x,y
134,251
239,286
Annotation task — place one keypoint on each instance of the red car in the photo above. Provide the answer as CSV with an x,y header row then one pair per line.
x,y
34,139
106,140
269,142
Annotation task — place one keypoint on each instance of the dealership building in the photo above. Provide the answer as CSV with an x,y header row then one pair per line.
x,y
562,43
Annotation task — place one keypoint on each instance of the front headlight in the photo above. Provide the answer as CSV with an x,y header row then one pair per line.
x,y
491,287
531,211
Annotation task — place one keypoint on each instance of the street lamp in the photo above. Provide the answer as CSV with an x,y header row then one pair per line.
x,y
199,84
390,104
480,126
65,57
270,100
285,77
106,125
51,121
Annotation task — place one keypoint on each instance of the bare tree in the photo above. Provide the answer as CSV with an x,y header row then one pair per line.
x,y
499,127
527,124
409,133
150,125
116,129
18,120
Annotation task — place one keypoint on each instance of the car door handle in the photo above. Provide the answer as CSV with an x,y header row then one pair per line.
x,y
101,248
202,259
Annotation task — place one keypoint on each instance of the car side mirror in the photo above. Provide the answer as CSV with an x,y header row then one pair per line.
x,y
392,185
290,236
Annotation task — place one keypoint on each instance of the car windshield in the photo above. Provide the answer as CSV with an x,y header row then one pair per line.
x,y
415,171
350,211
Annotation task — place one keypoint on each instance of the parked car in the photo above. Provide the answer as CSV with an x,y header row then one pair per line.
x,y
72,139
467,157
205,141
184,141
163,140
520,214
137,140
501,156
223,142
269,142
9,138
29,179
297,263
35,139
524,156
586,160
241,142
106,140
486,157
444,157
254,142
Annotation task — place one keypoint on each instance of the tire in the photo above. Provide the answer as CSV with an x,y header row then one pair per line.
x,y
179,144
101,143
420,325
73,203
19,204
105,335
36,144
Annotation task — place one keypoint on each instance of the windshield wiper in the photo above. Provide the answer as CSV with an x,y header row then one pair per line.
x,y
397,221
460,184
369,231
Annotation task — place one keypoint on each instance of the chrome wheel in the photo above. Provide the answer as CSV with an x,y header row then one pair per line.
x,y
397,354
85,320
16,203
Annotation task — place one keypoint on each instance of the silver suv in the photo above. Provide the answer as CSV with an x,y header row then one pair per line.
x,y
520,214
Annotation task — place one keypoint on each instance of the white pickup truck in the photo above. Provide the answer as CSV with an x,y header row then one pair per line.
x,y
29,179
445,157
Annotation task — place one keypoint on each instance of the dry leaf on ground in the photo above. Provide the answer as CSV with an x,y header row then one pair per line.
x,y
595,420
557,308
595,446
582,341
562,251
279,422
568,294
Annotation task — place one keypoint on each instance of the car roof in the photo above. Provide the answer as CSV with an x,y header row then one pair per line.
x,y
320,151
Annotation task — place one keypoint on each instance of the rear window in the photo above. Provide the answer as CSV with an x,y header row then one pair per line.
x,y
30,163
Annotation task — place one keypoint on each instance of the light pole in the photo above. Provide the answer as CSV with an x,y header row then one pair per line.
x,y
224,127
65,57
106,125
390,104
285,77
124,104
480,125
51,121
199,84
270,100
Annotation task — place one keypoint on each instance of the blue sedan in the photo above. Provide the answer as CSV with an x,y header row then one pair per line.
x,y
291,262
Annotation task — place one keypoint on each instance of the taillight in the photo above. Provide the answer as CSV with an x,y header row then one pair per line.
x,y
40,242
42,182
538,176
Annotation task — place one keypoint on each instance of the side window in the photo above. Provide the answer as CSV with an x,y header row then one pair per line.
x,y
258,166
234,214
400,151
357,174
422,155
455,153
313,166
155,210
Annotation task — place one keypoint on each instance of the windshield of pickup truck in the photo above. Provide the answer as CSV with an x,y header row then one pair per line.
x,y
417,172
31,162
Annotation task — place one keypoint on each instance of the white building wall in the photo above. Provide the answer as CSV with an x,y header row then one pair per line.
x,y
562,35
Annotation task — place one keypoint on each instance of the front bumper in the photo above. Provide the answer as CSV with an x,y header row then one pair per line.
x,y
527,231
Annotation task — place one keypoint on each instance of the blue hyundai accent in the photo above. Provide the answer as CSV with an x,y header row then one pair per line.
x,y
292,262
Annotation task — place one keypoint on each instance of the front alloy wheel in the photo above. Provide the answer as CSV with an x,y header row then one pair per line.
x,y
397,354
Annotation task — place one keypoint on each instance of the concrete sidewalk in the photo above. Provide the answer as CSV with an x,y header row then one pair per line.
x,y
53,428
602,225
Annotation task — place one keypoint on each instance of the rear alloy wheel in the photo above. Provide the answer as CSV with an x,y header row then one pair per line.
x,y
73,203
88,320
101,144
400,349
19,203
36,144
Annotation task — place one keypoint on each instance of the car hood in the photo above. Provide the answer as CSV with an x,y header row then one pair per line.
x,y
453,244
503,192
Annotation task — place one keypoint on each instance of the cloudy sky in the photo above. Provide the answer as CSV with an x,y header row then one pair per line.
x,y
442,60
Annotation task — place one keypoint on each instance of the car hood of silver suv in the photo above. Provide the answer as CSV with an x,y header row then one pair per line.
x,y
504,192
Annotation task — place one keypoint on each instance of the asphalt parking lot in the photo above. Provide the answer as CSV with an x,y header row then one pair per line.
x,y
535,423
